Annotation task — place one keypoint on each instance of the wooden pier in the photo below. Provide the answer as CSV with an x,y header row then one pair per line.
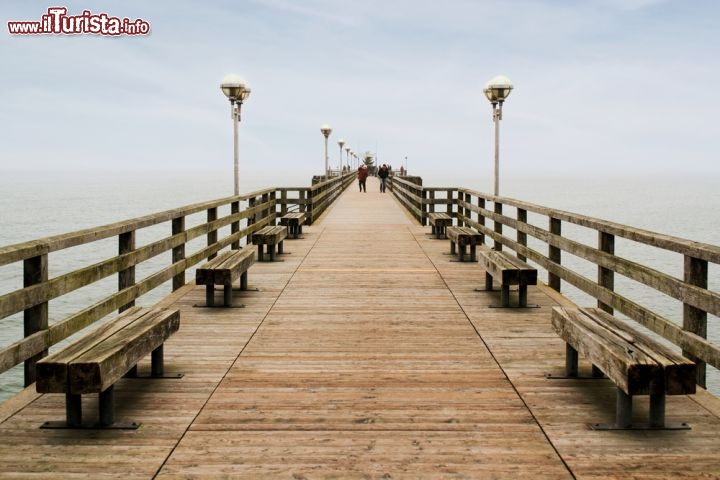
x,y
364,352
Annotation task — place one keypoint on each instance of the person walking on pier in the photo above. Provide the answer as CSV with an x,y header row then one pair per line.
x,y
383,173
362,176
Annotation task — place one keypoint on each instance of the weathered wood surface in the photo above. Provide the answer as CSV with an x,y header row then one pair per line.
x,y
102,356
294,222
508,270
439,223
633,361
368,358
226,268
270,236
463,237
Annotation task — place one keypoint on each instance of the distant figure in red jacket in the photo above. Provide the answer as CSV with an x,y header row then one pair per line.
x,y
362,176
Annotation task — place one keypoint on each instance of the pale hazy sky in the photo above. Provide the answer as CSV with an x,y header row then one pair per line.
x,y
600,85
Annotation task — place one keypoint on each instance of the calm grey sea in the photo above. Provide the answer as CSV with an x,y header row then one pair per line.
x,y
34,206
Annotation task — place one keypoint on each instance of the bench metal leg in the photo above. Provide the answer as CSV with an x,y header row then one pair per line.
x,y
227,295
280,247
623,410
505,295
657,411
157,361
73,410
571,361
488,281
243,281
271,251
261,252
452,247
522,296
461,254
210,295
106,401
473,255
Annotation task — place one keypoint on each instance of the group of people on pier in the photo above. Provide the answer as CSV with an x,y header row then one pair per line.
x,y
383,173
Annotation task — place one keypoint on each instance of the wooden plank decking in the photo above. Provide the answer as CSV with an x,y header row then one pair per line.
x,y
365,353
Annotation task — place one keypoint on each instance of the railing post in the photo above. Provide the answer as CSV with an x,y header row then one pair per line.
x,y
450,203
178,253
126,278
521,236
554,254
309,215
497,225
265,212
481,218
302,207
606,277
423,207
273,207
467,213
283,202
35,271
431,200
250,220
235,226
694,319
212,235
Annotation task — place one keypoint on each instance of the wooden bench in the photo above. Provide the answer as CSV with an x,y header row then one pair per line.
x,y
438,223
508,270
294,222
463,237
637,364
224,270
93,363
270,236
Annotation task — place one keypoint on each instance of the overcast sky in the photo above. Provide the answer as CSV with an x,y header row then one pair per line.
x,y
600,85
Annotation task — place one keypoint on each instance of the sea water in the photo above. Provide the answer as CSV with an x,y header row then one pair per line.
x,y
35,205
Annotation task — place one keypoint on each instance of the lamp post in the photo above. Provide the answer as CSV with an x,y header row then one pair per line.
x,y
326,131
497,89
341,142
237,91
347,156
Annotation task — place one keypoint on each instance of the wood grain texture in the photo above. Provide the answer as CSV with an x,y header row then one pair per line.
x,y
367,353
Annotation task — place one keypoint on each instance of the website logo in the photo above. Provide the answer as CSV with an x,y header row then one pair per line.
x,y
57,22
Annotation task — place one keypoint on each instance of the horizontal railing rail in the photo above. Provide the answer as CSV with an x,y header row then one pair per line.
x,y
222,223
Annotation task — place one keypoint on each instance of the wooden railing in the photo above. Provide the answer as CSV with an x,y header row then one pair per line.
x,y
557,240
222,223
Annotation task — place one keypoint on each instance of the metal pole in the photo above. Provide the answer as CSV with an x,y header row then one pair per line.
x,y
327,174
235,146
496,117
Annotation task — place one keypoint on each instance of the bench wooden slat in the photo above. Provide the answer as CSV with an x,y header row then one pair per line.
x,y
439,222
508,270
293,216
679,372
205,274
463,236
225,268
229,270
52,371
269,235
293,223
101,366
633,361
